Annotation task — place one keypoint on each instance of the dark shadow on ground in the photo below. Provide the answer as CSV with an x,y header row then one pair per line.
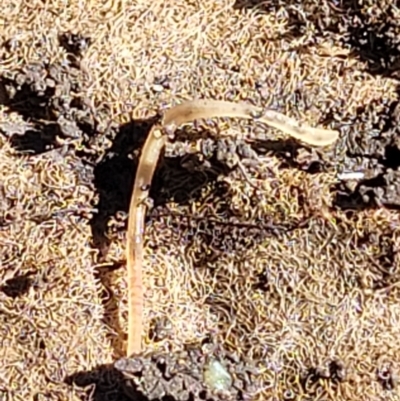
x,y
39,137
104,383
31,93
18,285
114,176
104,274
372,146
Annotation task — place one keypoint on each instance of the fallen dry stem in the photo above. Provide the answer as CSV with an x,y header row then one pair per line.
x,y
174,117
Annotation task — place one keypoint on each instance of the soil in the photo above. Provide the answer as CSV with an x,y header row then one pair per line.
x,y
257,254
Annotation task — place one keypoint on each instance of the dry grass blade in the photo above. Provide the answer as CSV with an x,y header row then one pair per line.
x,y
134,247
181,114
197,109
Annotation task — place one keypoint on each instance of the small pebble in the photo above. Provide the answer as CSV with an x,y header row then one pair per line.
x,y
217,377
157,88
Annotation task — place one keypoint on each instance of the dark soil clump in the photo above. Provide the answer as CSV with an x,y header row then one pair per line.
x,y
183,376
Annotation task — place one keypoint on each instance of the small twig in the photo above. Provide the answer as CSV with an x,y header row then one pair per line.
x,y
155,142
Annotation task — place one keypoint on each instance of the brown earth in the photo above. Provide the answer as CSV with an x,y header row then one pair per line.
x,y
285,273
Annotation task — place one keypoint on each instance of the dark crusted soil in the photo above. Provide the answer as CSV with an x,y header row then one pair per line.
x,y
372,30
181,376
58,119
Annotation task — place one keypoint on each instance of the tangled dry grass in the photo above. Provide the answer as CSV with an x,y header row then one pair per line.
x,y
300,275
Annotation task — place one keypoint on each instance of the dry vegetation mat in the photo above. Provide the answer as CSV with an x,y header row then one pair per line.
x,y
265,276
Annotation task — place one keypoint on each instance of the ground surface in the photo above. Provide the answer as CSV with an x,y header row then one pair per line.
x,y
299,277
